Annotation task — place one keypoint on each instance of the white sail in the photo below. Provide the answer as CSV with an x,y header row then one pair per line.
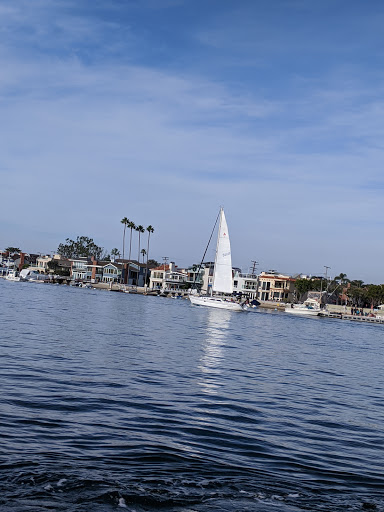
x,y
222,276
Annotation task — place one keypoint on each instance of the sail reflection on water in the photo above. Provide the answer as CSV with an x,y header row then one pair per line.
x,y
211,361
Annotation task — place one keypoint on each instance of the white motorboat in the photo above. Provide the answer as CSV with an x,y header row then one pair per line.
x,y
12,276
222,274
309,308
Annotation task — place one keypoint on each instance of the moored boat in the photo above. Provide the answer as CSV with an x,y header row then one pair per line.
x,y
309,308
12,276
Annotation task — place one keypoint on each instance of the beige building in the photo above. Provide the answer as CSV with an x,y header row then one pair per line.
x,y
42,264
276,287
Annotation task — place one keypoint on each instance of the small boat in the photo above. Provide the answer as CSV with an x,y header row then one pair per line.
x,y
222,274
12,276
309,308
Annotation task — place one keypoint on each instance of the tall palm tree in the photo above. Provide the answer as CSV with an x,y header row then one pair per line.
x,y
131,226
143,253
150,230
140,229
124,221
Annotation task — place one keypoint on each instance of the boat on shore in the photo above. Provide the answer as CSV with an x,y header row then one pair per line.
x,y
222,285
310,307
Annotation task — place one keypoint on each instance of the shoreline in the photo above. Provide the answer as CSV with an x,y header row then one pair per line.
x,y
333,311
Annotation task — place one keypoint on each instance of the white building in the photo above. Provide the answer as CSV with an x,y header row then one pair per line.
x,y
168,278
246,284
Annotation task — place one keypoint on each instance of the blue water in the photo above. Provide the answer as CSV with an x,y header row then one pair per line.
x,y
113,401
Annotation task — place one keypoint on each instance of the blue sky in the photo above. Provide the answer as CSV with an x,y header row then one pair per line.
x,y
163,110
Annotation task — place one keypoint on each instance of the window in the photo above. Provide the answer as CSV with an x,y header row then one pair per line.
x,y
235,284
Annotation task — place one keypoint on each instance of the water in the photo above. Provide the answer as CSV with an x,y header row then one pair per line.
x,y
113,401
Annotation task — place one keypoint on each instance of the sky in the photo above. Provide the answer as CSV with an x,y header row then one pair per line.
x,y
164,110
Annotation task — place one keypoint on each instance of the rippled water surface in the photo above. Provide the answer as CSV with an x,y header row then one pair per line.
x,y
113,401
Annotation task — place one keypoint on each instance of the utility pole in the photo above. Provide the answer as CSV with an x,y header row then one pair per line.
x,y
253,269
165,259
255,263
321,283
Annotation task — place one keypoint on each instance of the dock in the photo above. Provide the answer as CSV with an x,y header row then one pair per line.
x,y
354,318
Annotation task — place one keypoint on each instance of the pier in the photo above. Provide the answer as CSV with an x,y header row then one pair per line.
x,y
354,318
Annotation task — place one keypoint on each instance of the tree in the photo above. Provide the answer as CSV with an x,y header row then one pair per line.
x,y
131,225
140,229
143,253
12,250
342,278
375,294
150,231
124,221
357,296
115,252
82,247
153,263
303,286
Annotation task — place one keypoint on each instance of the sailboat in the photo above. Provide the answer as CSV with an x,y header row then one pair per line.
x,y
222,273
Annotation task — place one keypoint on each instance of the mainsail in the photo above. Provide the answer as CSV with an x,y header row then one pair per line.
x,y
222,276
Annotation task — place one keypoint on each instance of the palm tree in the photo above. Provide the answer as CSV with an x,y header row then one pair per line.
x,y
124,221
150,230
140,229
115,252
131,226
143,252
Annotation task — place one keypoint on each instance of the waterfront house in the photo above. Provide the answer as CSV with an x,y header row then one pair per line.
x,y
133,272
195,275
168,278
90,270
79,269
201,278
6,263
206,278
112,272
42,263
276,287
245,284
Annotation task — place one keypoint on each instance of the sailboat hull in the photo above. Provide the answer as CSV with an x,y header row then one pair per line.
x,y
215,302
299,310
